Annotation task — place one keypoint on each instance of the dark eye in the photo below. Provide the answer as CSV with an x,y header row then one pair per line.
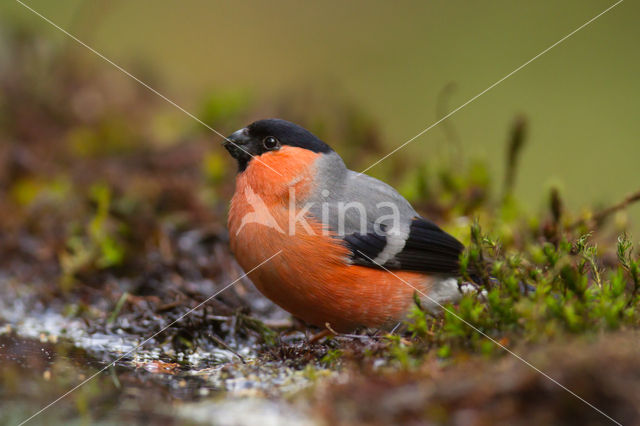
x,y
271,143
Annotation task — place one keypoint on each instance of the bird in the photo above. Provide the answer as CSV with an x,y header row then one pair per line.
x,y
333,247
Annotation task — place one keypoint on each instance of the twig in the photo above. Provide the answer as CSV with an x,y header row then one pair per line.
x,y
118,308
227,347
516,143
321,335
447,127
603,214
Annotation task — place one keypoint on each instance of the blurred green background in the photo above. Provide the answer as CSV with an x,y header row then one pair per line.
x,y
404,63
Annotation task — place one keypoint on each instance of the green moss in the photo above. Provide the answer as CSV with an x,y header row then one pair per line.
x,y
331,357
538,292
97,244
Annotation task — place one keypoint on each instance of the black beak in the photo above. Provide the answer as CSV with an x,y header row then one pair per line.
x,y
236,143
238,146
238,137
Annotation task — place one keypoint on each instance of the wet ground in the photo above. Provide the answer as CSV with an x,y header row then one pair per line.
x,y
113,378
42,357
36,372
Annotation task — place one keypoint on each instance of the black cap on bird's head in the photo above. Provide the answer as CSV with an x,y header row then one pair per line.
x,y
270,135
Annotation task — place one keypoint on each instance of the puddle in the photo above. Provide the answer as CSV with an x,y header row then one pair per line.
x,y
43,354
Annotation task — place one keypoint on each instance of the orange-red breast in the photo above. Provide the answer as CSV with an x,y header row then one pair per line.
x,y
334,227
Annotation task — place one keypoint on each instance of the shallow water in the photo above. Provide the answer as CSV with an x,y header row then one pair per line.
x,y
44,354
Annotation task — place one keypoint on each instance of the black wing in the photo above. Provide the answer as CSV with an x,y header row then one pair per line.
x,y
427,249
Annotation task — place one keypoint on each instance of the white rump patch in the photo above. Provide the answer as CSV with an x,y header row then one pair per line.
x,y
446,290
395,243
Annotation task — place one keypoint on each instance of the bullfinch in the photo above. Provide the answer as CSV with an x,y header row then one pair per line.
x,y
351,250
